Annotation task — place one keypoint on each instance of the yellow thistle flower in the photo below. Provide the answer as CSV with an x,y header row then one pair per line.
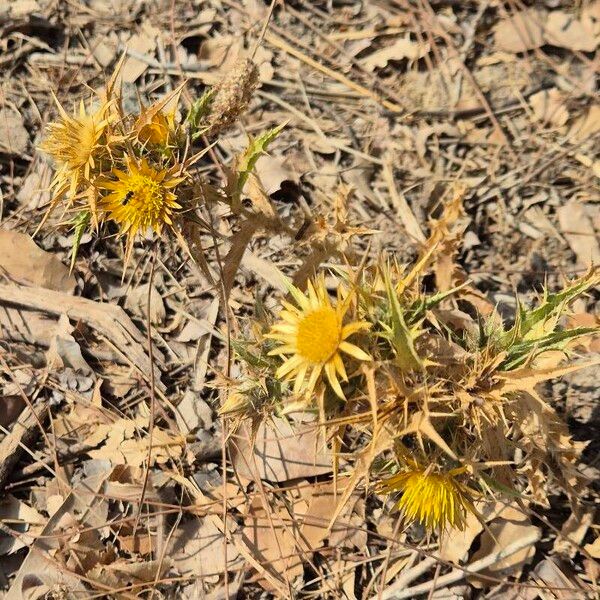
x,y
155,125
314,334
158,130
436,500
140,199
74,143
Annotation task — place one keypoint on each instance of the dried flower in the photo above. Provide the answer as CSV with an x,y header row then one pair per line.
x,y
74,143
158,131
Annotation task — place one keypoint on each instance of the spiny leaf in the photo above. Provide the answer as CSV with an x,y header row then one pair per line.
x,y
197,113
499,487
80,224
533,324
399,334
247,161
521,352
253,359
418,308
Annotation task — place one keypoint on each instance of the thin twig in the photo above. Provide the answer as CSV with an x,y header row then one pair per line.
x,y
152,393
398,592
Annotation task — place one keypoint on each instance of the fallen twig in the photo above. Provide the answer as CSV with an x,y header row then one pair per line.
x,y
397,592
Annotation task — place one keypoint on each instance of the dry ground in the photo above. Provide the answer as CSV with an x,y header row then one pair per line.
x,y
398,99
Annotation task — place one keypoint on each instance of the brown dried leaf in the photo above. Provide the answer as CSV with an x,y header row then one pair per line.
x,y
274,540
64,351
587,125
566,31
124,572
455,545
137,302
143,42
239,243
141,543
400,49
553,574
27,264
594,548
522,31
23,520
348,529
281,451
272,171
83,503
193,412
572,533
510,525
13,135
196,549
548,107
579,232
119,444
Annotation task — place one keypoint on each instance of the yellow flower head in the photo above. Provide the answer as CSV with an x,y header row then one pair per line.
x,y
140,199
74,143
314,334
156,125
158,130
436,500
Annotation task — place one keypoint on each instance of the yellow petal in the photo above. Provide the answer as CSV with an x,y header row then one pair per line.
x,y
351,328
354,351
289,365
313,379
339,365
300,377
333,380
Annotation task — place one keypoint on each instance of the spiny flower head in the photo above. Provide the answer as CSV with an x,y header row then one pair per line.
x,y
141,198
74,143
157,130
156,124
314,334
435,499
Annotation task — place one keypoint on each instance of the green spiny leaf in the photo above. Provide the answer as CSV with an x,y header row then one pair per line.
x,y
198,112
535,324
519,353
400,335
80,224
494,484
247,162
256,360
418,308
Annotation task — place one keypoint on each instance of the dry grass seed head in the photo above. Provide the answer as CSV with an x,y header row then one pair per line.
x,y
232,96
